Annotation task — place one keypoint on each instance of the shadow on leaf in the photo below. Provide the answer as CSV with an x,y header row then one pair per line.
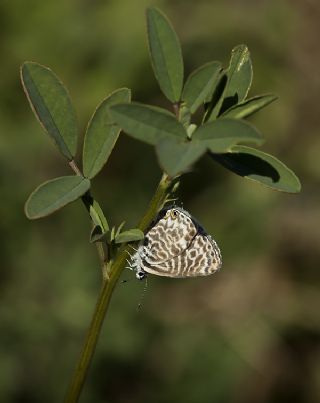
x,y
228,103
244,164
216,96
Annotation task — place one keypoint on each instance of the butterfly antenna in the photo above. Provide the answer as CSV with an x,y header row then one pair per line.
x,y
171,200
140,305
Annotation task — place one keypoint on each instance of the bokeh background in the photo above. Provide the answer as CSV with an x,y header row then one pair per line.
x,y
249,334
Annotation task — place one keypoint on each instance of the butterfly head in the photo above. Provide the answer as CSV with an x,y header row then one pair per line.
x,y
173,215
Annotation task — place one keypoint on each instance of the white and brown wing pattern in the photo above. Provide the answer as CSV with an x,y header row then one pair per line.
x,y
176,246
170,235
201,258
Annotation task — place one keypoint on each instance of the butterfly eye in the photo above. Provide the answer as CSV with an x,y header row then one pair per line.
x,y
174,214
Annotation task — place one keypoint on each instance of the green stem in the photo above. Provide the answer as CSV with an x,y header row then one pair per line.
x,y
80,373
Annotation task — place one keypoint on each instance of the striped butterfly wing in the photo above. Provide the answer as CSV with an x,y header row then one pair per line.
x,y
201,258
169,237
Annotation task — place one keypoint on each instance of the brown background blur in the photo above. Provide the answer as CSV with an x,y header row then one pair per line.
x,y
249,334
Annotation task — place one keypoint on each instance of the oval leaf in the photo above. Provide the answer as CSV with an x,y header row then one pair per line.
x,y
249,107
51,104
147,123
95,212
130,235
239,74
97,216
200,84
166,55
55,194
261,167
239,79
220,135
102,134
175,158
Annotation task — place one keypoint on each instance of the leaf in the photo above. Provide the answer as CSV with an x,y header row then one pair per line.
x,y
184,116
214,100
239,76
166,55
249,107
102,134
97,216
112,234
190,130
130,235
261,167
200,84
97,235
221,134
176,157
95,212
239,79
52,106
218,88
120,228
147,123
55,194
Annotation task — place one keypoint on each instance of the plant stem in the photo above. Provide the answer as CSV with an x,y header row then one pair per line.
x,y
80,373
75,168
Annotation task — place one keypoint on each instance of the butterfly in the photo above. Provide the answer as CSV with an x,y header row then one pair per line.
x,y
176,245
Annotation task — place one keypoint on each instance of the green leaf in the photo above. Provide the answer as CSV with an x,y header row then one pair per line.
x,y
249,107
261,167
239,79
190,130
130,235
200,84
214,100
102,134
147,123
97,216
221,134
97,234
95,212
112,234
120,228
239,74
175,158
51,104
184,116
166,55
55,194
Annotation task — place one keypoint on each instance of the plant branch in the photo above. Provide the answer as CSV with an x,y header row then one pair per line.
x,y
75,167
80,373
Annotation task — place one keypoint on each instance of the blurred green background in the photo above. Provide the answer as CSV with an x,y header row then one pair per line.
x,y
251,333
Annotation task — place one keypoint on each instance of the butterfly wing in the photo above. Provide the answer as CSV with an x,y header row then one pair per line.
x,y
201,258
168,238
